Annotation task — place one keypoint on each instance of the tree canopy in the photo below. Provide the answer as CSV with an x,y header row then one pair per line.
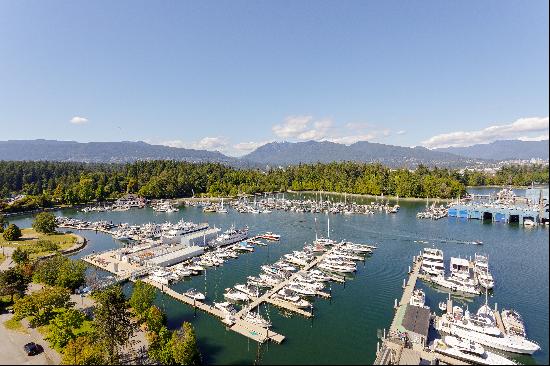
x,y
12,233
112,320
60,271
48,183
142,298
44,222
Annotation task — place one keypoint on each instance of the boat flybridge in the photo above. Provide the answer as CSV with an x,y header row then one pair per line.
x,y
432,262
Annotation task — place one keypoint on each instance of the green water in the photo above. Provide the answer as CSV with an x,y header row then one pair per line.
x,y
344,329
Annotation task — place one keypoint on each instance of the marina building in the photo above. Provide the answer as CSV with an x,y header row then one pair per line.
x,y
506,207
176,256
200,238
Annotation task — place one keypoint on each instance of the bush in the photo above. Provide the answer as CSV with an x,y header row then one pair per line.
x,y
12,233
20,256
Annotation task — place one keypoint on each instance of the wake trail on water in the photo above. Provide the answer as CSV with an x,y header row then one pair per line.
x,y
416,239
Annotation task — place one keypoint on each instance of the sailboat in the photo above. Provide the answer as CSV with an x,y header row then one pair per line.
x,y
221,209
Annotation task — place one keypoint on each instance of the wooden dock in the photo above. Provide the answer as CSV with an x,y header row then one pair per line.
x,y
267,297
241,326
407,293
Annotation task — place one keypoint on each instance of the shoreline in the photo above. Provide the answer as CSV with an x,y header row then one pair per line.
x,y
389,198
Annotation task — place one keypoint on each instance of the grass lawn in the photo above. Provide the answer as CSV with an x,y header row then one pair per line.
x,y
33,242
13,324
2,258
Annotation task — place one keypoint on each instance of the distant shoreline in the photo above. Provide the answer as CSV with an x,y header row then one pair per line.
x,y
390,198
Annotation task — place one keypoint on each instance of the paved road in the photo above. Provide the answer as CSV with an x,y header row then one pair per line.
x,y
8,262
12,342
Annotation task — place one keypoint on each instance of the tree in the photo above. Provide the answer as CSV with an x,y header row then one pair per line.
x,y
61,271
184,346
155,319
160,346
112,320
12,282
71,274
12,233
44,223
3,222
63,325
20,256
142,298
41,304
83,350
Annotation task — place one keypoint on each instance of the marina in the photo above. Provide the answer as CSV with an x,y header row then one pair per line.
x,y
368,295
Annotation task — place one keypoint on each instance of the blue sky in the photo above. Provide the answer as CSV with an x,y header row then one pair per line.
x,y
230,75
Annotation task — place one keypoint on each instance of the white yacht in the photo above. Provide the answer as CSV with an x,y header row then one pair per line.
x,y
418,298
225,307
336,268
230,236
481,271
481,328
256,318
513,323
455,285
468,351
291,297
432,262
194,294
250,290
235,295
301,289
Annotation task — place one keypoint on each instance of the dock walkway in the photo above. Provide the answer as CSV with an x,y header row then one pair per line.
x,y
393,350
250,330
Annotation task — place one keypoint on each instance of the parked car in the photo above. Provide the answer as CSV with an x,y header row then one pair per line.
x,y
32,349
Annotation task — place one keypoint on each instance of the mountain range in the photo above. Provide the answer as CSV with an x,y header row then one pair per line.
x,y
288,153
95,152
275,153
503,150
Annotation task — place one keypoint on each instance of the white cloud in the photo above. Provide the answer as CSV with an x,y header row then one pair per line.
x,y
212,143
401,132
514,130
206,143
249,146
292,126
303,128
78,120
533,138
348,140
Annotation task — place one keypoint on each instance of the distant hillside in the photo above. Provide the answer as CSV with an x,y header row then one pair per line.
x,y
288,153
112,152
503,150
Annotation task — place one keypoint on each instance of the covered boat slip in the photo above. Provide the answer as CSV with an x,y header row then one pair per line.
x,y
416,322
498,214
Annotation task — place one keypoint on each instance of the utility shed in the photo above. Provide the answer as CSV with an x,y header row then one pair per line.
x,y
417,322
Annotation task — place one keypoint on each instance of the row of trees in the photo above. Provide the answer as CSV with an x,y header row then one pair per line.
x,y
165,346
48,183
114,322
